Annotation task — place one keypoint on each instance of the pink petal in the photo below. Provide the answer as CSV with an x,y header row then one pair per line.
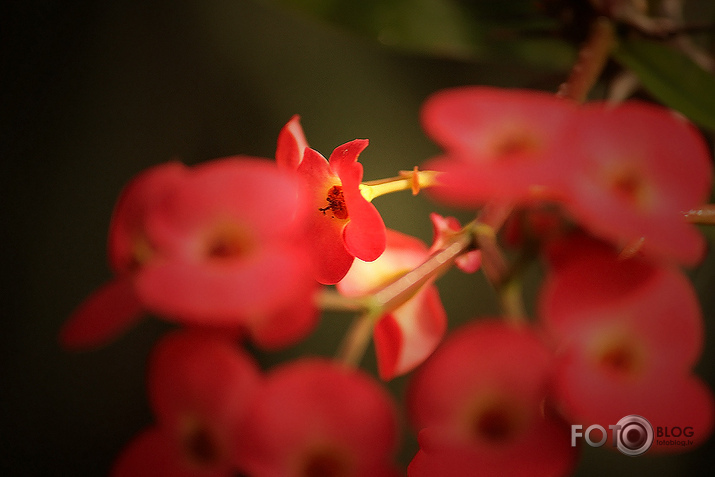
x,y
364,234
104,315
402,253
443,228
291,144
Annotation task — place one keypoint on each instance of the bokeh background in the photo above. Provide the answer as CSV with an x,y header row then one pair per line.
x,y
94,92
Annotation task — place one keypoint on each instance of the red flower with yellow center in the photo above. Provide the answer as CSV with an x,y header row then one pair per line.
x,y
342,225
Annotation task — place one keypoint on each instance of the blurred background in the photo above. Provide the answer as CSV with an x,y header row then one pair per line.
x,y
94,92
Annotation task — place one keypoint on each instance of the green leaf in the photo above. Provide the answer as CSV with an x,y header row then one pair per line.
x,y
507,32
672,78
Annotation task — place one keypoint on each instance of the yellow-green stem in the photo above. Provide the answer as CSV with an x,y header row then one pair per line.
x,y
356,340
402,289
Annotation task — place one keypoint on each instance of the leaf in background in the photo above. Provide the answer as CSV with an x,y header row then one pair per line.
x,y
513,31
672,78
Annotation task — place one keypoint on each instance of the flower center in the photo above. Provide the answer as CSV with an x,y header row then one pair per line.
x,y
200,444
141,252
513,141
496,420
621,357
325,462
227,241
336,203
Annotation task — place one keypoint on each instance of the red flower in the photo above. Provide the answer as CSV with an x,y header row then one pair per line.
x,y
318,418
634,170
229,253
628,334
200,387
213,245
499,144
342,224
407,335
115,306
479,405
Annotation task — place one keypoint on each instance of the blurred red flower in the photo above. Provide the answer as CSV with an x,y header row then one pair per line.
x,y
319,418
200,389
628,333
499,144
115,306
479,405
634,170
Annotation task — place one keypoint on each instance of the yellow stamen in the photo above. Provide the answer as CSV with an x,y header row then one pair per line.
x,y
407,180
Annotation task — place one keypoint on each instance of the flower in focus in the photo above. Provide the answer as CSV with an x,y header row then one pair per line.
x,y
406,336
115,306
200,388
318,418
342,224
478,404
229,252
499,144
634,170
628,333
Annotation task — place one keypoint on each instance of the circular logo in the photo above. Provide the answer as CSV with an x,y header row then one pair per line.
x,y
635,435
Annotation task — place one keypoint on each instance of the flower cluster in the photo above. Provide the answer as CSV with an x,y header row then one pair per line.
x,y
601,192
237,249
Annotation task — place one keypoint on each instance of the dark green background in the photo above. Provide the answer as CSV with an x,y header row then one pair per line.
x,y
93,92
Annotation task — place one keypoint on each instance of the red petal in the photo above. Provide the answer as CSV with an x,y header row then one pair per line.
x,y
593,297
407,336
104,315
287,325
218,293
128,242
291,144
324,232
314,405
500,143
634,170
200,387
546,452
364,234
263,203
